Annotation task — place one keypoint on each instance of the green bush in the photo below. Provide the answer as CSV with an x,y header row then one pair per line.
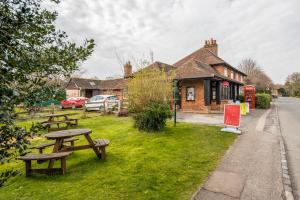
x,y
263,100
153,117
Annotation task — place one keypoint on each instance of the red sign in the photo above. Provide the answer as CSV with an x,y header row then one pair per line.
x,y
225,83
232,115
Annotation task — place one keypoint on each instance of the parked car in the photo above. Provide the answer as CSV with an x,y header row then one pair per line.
x,y
73,102
97,102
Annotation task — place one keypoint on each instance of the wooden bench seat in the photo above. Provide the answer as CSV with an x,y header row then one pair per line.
x,y
44,157
101,144
41,147
48,124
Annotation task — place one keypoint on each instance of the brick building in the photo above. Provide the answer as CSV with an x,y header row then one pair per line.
x,y
206,82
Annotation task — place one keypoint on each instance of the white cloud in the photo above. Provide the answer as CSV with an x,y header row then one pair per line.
x,y
267,31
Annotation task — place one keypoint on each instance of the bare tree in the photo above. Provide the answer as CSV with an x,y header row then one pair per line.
x,y
137,63
255,75
121,60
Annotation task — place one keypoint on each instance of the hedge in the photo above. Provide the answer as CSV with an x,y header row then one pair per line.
x,y
263,100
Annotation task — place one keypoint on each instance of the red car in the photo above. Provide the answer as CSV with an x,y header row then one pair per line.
x,y
73,102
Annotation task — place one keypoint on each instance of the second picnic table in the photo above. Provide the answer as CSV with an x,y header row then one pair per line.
x,y
68,121
59,136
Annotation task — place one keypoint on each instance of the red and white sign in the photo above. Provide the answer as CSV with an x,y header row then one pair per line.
x,y
225,83
232,115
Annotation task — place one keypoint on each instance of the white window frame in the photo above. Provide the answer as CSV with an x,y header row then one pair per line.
x,y
225,71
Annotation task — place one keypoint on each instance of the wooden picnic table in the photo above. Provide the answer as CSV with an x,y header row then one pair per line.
x,y
51,121
60,136
61,151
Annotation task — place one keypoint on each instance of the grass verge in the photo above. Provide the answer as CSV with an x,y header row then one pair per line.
x,y
166,165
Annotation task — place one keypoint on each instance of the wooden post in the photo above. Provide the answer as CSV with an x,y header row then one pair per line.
x,y
63,165
52,108
92,144
84,112
174,102
56,148
103,153
104,107
119,105
28,167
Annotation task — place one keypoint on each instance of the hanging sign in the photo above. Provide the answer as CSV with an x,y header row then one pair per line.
x,y
225,83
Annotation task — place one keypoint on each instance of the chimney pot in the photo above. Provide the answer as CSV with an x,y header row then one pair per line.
x,y
212,46
127,69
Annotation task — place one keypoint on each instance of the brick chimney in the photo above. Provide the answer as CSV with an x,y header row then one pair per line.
x,y
127,69
212,46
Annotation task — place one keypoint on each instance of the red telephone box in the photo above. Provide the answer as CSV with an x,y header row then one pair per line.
x,y
249,94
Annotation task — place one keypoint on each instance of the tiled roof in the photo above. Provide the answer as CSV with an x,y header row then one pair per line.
x,y
206,56
84,83
197,69
94,84
113,84
161,66
203,55
194,69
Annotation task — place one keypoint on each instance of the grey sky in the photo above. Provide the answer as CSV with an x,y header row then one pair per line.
x,y
265,30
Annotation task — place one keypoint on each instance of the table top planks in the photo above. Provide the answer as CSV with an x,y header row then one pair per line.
x,y
57,115
67,133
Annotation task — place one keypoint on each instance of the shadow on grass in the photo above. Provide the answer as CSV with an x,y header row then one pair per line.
x,y
79,165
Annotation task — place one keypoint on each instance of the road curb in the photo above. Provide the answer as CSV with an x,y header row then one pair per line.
x,y
286,180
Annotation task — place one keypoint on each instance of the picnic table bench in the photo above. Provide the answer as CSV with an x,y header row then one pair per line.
x,y
41,147
46,157
101,144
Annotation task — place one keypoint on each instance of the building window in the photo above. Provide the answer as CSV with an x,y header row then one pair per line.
x,y
225,71
225,92
232,75
190,93
241,78
213,90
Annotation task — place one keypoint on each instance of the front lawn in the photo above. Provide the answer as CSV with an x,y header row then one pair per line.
x,y
167,165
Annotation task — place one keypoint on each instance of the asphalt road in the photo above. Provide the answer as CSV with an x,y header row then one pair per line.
x,y
289,115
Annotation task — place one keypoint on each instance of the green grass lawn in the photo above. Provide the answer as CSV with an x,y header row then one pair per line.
x,y
167,165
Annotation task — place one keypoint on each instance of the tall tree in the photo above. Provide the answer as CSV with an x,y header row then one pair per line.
x,y
32,53
255,75
292,84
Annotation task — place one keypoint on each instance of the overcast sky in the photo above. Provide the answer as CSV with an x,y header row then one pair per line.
x,y
265,30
